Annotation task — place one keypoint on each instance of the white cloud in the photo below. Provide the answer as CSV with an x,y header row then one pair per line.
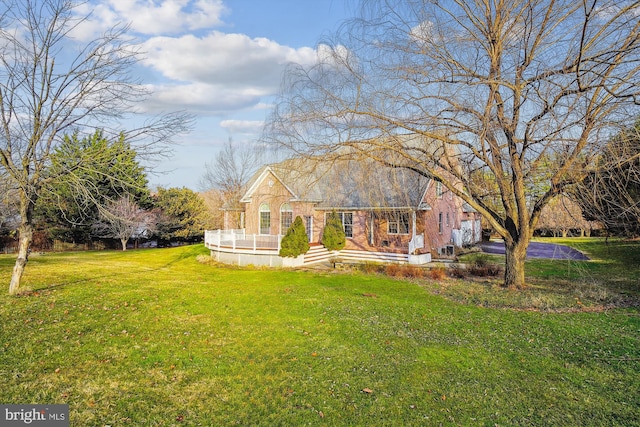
x,y
201,98
226,59
422,32
149,17
193,66
219,72
242,126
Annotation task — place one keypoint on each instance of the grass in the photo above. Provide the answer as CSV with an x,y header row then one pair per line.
x,y
156,338
608,280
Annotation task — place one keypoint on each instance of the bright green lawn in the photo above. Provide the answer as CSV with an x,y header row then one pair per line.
x,y
155,338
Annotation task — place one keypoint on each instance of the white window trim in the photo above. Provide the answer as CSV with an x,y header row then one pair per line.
x,y
399,233
341,214
283,209
260,212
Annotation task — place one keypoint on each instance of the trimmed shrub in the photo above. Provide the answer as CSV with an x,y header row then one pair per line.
x,y
333,237
296,241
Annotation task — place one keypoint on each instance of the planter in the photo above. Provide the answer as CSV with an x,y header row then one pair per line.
x,y
293,262
420,259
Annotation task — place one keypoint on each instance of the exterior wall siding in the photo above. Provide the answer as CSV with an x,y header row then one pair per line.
x,y
272,192
435,236
362,222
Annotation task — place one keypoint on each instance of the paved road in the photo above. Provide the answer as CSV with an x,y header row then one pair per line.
x,y
537,250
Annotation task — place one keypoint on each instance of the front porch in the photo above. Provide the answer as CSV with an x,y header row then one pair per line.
x,y
237,247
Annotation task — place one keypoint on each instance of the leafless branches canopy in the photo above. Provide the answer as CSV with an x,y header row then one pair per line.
x,y
510,100
124,219
230,171
51,84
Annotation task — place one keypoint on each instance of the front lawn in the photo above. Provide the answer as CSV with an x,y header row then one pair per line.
x,y
156,338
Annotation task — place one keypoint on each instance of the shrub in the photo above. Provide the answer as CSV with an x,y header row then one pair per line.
x,y
458,271
296,241
401,270
438,273
495,269
371,267
480,260
392,270
412,271
333,237
480,266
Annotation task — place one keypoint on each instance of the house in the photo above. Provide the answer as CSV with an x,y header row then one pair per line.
x,y
388,215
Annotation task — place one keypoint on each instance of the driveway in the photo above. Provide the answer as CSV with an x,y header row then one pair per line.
x,y
537,250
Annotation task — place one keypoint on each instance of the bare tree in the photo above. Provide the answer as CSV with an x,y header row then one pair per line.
x,y
50,84
522,92
231,169
611,193
124,219
214,201
226,176
562,215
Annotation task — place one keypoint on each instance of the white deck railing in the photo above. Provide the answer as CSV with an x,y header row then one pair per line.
x,y
237,240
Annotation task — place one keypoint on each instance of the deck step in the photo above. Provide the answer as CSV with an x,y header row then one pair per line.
x,y
318,253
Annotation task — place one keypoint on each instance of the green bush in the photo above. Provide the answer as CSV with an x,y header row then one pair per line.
x,y
295,242
333,237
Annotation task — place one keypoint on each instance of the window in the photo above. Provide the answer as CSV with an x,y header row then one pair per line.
x,y
440,223
265,219
439,190
447,223
399,223
347,222
286,217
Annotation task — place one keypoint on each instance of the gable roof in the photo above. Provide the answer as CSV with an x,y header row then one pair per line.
x,y
257,179
345,184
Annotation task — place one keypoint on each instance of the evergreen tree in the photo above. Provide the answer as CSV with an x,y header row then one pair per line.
x,y
295,242
86,176
184,215
333,237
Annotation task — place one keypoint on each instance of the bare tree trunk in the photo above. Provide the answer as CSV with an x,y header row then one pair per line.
x,y
25,233
124,244
516,254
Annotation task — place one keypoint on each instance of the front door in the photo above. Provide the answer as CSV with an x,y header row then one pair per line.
x,y
308,223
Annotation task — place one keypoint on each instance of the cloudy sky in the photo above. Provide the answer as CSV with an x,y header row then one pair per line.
x,y
221,60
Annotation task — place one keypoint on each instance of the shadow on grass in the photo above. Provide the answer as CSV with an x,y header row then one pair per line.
x,y
181,254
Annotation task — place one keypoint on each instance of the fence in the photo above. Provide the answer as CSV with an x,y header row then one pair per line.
x,y
237,240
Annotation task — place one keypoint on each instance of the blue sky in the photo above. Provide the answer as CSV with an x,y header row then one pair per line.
x,y
220,60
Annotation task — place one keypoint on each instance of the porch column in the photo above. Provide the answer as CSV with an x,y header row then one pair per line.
x,y
412,243
413,224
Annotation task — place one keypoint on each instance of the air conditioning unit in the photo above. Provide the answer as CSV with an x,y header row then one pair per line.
x,y
448,250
